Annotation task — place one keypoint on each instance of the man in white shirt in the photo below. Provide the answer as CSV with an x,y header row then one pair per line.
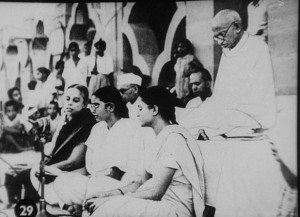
x,y
129,86
43,88
200,82
75,69
99,68
244,93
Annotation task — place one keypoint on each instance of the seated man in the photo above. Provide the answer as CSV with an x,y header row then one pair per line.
x,y
129,86
200,82
243,97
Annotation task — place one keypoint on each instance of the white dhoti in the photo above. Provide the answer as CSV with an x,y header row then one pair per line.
x,y
49,194
74,188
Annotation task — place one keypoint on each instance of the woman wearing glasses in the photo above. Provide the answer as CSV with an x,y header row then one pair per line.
x,y
114,157
175,185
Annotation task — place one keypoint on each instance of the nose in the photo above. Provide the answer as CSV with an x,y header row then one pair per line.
x,y
219,41
92,108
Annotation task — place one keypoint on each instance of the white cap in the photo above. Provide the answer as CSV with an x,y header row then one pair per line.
x,y
128,78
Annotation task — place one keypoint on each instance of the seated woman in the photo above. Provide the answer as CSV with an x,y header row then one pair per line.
x,y
115,153
66,152
176,186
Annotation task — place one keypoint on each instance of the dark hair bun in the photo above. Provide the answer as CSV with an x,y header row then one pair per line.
x,y
160,96
163,99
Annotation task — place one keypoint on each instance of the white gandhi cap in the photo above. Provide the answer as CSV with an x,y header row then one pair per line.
x,y
128,78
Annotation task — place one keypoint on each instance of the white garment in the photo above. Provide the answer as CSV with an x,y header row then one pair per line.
x,y
133,109
258,18
104,67
119,146
122,146
32,99
52,81
19,119
184,196
104,64
43,92
243,94
54,123
182,82
75,74
194,103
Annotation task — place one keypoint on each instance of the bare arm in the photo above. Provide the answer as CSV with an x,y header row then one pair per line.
x,y
132,187
158,185
75,161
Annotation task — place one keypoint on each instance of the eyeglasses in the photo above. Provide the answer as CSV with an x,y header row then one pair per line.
x,y
94,105
222,35
124,90
97,105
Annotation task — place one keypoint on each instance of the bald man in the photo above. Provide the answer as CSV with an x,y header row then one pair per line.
x,y
243,95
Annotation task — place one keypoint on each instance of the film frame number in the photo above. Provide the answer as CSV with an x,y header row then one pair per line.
x,y
26,208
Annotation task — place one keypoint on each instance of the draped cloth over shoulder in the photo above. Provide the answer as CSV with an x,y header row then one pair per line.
x,y
192,170
188,179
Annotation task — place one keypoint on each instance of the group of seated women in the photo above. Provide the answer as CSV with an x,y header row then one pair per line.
x,y
111,165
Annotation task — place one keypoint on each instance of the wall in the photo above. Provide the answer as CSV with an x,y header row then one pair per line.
x,y
198,30
283,43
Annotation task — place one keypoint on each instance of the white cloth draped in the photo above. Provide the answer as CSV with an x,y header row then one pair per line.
x,y
121,146
243,94
186,190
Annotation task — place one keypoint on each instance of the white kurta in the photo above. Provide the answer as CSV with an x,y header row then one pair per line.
x,y
104,67
43,93
194,103
243,94
121,146
75,74
133,109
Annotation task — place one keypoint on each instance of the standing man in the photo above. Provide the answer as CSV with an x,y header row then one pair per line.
x,y
129,86
99,68
243,95
74,72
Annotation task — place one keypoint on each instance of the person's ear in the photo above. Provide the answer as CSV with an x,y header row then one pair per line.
x,y
135,89
110,107
208,84
238,26
155,110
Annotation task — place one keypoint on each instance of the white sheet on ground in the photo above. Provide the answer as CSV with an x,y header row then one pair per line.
x,y
242,178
